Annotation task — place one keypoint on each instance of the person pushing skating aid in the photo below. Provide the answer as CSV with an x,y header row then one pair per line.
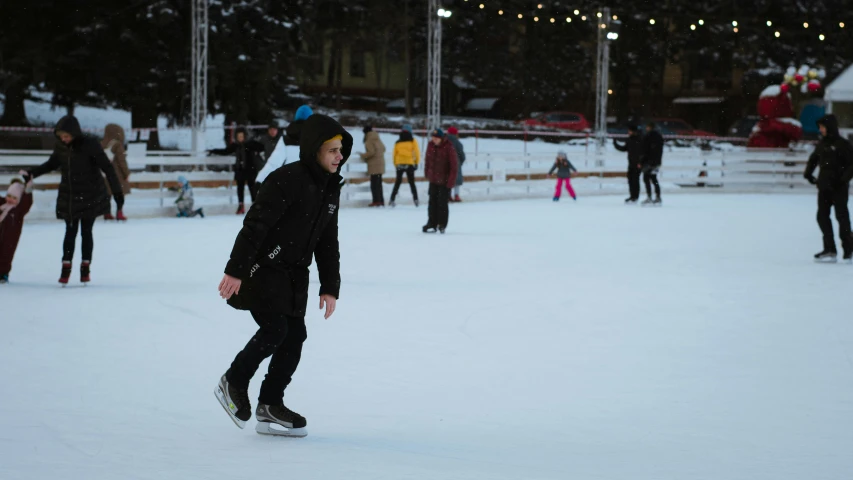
x,y
295,216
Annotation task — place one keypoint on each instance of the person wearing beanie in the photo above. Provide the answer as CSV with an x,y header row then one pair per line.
x,y
287,150
269,140
247,163
13,207
185,201
374,155
407,156
82,195
294,220
440,169
834,156
634,146
453,136
652,158
564,169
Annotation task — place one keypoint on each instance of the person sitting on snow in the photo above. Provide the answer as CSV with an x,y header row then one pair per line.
x,y
185,201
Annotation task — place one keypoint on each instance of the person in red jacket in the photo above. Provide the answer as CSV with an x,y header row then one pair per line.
x,y
441,168
13,207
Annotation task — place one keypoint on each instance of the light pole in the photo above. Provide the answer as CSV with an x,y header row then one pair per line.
x,y
434,64
602,90
198,101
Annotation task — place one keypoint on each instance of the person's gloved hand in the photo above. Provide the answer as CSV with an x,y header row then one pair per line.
x,y
811,179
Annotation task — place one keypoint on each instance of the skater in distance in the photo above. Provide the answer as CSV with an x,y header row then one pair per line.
x,y
82,193
13,208
634,147
295,216
564,169
834,156
652,156
440,169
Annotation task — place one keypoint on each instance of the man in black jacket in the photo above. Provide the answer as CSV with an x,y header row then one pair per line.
x,y
295,216
652,155
834,156
634,147
247,163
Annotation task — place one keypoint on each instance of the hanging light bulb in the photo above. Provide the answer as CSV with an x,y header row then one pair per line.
x,y
610,91
777,34
520,16
692,27
577,12
583,18
841,24
615,17
652,21
701,22
500,12
734,24
539,6
552,20
735,30
805,24
603,26
535,19
598,14
482,6
769,23
568,19
821,37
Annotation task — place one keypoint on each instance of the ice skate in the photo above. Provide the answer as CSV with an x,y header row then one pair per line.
x,y
441,229
556,199
4,278
848,257
66,273
456,199
657,202
120,216
631,201
826,256
241,209
647,202
417,203
84,272
199,213
109,216
279,420
235,402
392,204
429,229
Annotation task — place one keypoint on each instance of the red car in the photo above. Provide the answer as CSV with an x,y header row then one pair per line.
x,y
677,126
559,120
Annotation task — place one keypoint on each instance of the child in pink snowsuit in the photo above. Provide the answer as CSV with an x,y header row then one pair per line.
x,y
564,170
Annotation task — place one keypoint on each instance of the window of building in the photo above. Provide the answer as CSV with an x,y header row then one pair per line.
x,y
356,62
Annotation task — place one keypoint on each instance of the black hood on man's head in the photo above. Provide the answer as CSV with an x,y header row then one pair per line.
x,y
316,131
68,124
831,124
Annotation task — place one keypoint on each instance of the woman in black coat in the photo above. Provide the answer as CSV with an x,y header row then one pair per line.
x,y
82,194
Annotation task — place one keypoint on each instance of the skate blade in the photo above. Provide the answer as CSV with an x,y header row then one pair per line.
x,y
269,428
220,395
826,260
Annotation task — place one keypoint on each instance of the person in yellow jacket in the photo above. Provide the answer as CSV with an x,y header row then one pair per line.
x,y
407,156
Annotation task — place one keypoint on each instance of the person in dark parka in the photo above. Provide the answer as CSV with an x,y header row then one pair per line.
x,y
82,195
834,156
247,163
441,167
634,146
294,217
652,157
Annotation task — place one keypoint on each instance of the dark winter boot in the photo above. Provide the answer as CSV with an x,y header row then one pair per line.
x,y
848,256
66,273
429,229
241,209
235,401
630,201
826,256
199,212
294,424
84,272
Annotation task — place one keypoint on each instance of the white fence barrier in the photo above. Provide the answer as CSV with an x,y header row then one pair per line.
x,y
488,176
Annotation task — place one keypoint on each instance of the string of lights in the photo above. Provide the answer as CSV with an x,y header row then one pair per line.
x,y
734,26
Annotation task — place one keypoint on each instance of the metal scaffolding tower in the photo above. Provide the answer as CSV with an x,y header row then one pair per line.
x,y
434,16
602,75
198,79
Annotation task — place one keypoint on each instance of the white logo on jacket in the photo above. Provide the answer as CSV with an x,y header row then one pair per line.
x,y
332,208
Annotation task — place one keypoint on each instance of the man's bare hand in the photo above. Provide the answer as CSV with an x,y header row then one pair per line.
x,y
329,303
229,286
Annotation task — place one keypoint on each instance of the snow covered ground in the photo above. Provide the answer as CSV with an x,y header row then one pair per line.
x,y
535,340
